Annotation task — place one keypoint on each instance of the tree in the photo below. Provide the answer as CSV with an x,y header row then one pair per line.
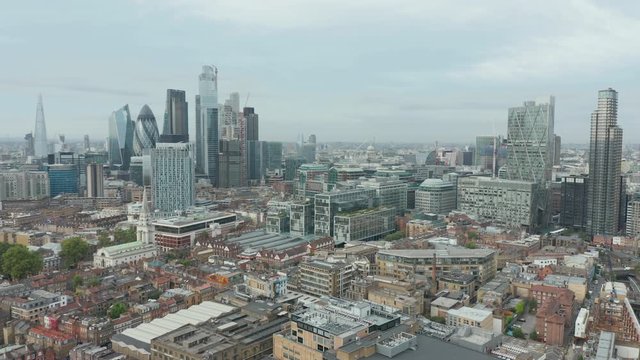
x,y
517,333
117,309
533,336
520,308
18,262
103,239
394,236
438,319
76,281
121,236
73,251
472,235
471,245
93,281
533,305
155,294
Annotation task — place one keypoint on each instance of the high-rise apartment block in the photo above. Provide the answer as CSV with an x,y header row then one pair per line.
x,y
176,118
605,156
23,185
173,180
633,216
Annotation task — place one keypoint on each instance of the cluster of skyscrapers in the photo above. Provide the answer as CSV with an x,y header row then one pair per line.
x,y
226,151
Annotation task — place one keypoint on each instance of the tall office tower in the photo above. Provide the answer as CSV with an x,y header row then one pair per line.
x,y
251,119
176,118
557,151
309,149
63,179
230,164
207,131
573,201
605,156
173,179
120,145
41,147
274,155
531,141
199,149
29,147
146,134
95,181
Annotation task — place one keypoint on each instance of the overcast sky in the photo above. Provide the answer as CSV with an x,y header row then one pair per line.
x,y
396,70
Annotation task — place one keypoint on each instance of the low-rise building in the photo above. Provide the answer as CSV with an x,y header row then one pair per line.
x,y
325,278
467,316
128,253
363,225
336,325
400,263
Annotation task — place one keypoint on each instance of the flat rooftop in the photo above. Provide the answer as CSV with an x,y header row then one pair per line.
x,y
451,252
191,219
432,348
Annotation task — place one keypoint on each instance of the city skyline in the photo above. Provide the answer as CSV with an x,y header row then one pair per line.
x,y
298,83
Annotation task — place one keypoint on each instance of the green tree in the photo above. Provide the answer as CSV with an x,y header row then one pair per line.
x,y
93,281
103,239
471,245
76,282
117,309
472,235
4,247
18,262
438,319
520,308
533,336
394,236
155,294
73,251
517,333
122,236
533,305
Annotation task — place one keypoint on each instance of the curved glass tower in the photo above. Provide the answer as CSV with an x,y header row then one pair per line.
x,y
120,138
146,132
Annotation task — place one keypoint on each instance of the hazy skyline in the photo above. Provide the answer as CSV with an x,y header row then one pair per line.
x,y
414,71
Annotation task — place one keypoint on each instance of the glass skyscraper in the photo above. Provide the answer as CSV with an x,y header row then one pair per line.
x,y
176,118
146,132
207,131
605,156
173,179
120,145
531,141
40,137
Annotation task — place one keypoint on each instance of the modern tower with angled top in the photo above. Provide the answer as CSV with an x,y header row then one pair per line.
x,y
120,143
605,156
40,137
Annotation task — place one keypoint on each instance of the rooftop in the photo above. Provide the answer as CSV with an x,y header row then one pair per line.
x,y
191,218
451,252
474,314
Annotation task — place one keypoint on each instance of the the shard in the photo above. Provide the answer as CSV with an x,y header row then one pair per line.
x,y
40,138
